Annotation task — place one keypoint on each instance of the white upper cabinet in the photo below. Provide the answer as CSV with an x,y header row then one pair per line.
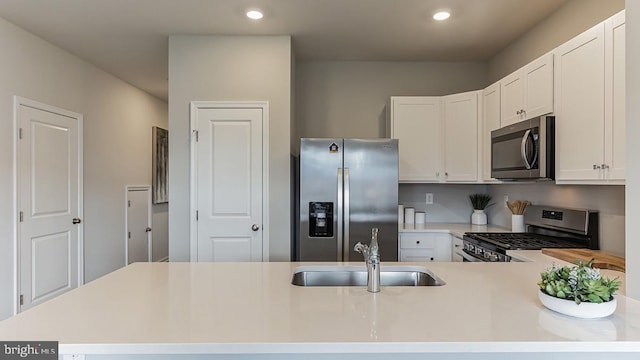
x,y
528,92
615,118
461,137
490,121
438,137
512,103
590,100
416,123
579,83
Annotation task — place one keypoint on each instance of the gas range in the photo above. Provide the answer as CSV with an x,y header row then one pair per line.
x,y
547,227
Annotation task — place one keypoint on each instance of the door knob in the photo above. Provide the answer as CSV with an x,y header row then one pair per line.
x,y
255,227
76,221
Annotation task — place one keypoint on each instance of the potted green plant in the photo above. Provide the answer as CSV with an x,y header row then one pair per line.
x,y
479,202
578,291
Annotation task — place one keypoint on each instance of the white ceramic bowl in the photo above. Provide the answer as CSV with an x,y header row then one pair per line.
x,y
584,310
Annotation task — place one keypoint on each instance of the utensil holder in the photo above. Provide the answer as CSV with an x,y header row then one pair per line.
x,y
517,223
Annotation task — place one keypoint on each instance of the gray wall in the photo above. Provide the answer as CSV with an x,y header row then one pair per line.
x,y
348,98
117,146
570,20
230,68
633,148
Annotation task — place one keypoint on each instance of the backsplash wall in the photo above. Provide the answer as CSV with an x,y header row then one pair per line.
x,y
451,204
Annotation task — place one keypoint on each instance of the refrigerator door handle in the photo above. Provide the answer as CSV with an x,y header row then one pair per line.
x,y
339,215
346,249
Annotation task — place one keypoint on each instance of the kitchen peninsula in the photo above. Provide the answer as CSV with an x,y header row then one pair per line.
x,y
252,308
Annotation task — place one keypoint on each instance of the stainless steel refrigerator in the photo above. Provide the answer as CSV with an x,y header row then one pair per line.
x,y
347,187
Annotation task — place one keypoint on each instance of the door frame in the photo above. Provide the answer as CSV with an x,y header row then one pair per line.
x,y
17,102
193,126
146,188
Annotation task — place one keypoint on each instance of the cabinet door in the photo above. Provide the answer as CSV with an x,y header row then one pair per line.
x,y
443,247
614,141
418,255
490,121
579,106
415,122
512,93
457,244
461,137
538,86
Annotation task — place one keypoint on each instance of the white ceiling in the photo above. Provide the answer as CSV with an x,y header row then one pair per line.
x,y
128,38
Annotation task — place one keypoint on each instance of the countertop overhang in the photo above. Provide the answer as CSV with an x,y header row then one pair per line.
x,y
252,308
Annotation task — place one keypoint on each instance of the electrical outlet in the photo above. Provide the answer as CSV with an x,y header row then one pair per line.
x,y
429,198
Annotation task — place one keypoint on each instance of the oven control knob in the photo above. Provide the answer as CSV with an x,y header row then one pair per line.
x,y
493,257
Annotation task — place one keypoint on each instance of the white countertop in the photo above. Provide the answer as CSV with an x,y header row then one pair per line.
x,y
456,229
195,308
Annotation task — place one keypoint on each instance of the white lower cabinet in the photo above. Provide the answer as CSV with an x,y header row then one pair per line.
x,y
424,247
456,248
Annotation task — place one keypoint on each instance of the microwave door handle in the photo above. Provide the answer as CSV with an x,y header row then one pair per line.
x,y
523,149
536,150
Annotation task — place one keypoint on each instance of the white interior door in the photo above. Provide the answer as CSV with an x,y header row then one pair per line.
x,y
49,202
139,239
229,183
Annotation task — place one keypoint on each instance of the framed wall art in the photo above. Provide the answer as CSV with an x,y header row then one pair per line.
x,y
160,165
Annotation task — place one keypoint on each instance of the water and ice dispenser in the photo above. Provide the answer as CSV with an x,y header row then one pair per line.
x,y
320,219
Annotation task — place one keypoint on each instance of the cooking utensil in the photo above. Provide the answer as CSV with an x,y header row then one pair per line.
x,y
518,207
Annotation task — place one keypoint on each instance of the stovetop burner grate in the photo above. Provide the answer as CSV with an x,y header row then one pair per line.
x,y
523,241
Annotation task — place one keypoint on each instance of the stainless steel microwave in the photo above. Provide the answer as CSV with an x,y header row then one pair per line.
x,y
524,150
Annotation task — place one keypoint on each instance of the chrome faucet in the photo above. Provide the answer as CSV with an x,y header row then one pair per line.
x,y
372,259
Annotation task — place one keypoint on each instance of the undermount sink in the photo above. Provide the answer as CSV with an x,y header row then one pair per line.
x,y
347,275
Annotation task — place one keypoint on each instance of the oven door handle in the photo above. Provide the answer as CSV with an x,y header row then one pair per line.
x,y
469,257
523,149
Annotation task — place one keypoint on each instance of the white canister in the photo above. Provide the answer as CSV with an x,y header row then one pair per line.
x,y
409,215
400,214
420,217
517,223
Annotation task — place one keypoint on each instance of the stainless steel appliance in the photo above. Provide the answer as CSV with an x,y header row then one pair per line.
x,y
347,187
524,150
547,227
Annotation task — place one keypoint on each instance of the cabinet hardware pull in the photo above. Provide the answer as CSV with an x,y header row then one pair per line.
x,y
596,167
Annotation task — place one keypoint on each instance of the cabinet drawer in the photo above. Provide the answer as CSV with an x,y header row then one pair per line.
x,y
416,241
418,255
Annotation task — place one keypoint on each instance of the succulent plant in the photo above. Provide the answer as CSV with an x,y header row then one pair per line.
x,y
581,283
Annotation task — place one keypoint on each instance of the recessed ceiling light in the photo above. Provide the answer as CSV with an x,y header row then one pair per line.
x,y
254,14
441,15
